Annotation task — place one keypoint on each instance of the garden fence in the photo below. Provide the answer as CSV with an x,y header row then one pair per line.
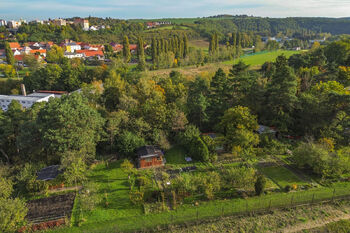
x,y
209,211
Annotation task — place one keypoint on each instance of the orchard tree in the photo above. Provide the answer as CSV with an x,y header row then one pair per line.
x,y
73,164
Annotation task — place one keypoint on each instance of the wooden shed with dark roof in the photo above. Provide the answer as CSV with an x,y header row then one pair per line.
x,y
149,156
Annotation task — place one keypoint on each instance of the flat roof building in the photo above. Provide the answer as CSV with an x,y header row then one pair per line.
x,y
25,101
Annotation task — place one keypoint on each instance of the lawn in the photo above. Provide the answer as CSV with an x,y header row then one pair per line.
x,y
257,59
282,176
111,181
175,158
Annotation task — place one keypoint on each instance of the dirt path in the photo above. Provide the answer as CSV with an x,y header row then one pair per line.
x,y
65,189
314,224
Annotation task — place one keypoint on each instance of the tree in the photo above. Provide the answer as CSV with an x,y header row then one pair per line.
x,y
55,55
282,97
114,88
8,70
198,102
154,50
218,96
128,143
126,49
69,124
185,50
32,62
6,188
12,214
127,166
73,164
238,126
141,55
195,146
10,59
260,185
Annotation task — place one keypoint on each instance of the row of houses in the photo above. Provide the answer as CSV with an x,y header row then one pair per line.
x,y
157,24
71,50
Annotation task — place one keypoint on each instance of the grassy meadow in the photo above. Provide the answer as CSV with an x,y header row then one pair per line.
x,y
260,58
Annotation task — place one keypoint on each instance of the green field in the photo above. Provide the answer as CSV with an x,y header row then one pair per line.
x,y
258,59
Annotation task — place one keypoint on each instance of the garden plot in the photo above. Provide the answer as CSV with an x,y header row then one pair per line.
x,y
50,208
282,176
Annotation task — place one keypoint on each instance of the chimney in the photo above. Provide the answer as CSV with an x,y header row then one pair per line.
x,y
23,88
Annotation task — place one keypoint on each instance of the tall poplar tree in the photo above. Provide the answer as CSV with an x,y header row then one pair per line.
x,y
154,50
126,49
10,59
141,55
185,52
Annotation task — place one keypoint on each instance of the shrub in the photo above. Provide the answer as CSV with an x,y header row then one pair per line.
x,y
260,185
288,188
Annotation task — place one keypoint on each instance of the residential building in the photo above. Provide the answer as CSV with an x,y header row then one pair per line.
x,y
14,24
59,22
3,23
14,45
84,23
72,47
149,156
71,55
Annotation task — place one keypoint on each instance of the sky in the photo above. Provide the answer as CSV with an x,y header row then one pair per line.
x,y
148,9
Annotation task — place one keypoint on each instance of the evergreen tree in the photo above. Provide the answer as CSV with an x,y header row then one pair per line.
x,y
10,59
282,97
126,49
159,48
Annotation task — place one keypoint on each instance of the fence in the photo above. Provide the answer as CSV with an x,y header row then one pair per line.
x,y
209,211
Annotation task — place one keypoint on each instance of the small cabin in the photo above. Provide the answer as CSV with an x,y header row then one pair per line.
x,y
149,157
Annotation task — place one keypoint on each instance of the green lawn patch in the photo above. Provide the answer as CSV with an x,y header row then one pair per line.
x,y
260,58
282,176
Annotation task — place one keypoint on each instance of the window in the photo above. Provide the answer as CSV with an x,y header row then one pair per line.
x,y
159,158
148,159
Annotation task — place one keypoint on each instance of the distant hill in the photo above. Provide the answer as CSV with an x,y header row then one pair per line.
x,y
228,23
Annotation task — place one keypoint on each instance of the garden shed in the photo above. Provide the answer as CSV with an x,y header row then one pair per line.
x,y
149,156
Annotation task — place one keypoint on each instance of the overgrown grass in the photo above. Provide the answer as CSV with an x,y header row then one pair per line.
x,y
112,188
282,176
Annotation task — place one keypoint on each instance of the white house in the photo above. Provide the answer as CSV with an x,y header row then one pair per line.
x,y
73,55
71,47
